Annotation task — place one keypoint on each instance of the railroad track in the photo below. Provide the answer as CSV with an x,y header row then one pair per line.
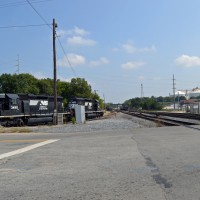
x,y
168,119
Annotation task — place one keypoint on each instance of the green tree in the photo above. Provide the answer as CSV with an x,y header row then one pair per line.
x,y
160,99
63,89
151,104
179,98
26,83
45,86
8,83
97,97
79,87
145,103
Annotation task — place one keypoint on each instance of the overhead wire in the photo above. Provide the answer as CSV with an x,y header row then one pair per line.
x,y
20,3
21,26
28,1
44,20
66,57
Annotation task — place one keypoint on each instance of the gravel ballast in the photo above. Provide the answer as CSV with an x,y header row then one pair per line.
x,y
117,121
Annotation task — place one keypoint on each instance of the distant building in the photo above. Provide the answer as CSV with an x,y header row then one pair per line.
x,y
180,93
195,92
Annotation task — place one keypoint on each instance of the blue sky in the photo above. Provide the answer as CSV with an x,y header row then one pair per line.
x,y
116,45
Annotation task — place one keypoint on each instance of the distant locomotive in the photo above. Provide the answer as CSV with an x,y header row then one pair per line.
x,y
27,109
92,108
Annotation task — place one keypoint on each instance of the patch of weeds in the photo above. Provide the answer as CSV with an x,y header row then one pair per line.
x,y
15,130
73,120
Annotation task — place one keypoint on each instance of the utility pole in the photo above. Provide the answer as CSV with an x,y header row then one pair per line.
x,y
174,91
54,73
95,92
104,101
142,92
17,65
178,100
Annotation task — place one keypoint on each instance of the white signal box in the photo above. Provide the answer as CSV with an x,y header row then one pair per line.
x,y
80,114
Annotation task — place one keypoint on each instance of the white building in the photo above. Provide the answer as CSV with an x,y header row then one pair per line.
x,y
180,93
195,92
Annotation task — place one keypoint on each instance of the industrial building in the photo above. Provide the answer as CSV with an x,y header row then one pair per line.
x,y
195,92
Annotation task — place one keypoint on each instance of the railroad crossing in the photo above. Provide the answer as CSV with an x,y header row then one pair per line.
x,y
131,164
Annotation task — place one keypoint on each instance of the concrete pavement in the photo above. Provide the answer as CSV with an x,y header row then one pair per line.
x,y
136,164
174,155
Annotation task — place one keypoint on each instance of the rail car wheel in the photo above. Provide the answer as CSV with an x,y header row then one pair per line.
x,y
7,124
20,122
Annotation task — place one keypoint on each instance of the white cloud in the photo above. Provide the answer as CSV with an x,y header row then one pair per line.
x,y
141,78
115,49
157,78
79,31
101,61
64,79
132,65
61,33
77,36
75,31
78,40
130,48
38,75
188,61
74,60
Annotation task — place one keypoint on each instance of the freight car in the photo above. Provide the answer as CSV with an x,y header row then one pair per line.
x,y
27,109
92,108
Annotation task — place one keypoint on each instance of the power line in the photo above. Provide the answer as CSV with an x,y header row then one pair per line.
x,y
22,26
56,36
66,57
39,14
20,3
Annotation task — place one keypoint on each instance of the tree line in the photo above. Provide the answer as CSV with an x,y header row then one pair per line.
x,y
151,103
145,103
28,84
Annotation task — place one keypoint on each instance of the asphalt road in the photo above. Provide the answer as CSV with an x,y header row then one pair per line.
x,y
137,164
174,155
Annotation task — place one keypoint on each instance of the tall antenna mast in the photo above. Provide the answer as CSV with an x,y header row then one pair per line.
x,y
174,91
17,65
142,91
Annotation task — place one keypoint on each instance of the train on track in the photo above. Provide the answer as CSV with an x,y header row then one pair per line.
x,y
29,109
92,108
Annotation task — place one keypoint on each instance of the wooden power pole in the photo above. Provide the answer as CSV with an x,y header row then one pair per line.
x,y
54,73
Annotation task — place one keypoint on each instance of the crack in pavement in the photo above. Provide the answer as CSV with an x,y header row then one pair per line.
x,y
156,175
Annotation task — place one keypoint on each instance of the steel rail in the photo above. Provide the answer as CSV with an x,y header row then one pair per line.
x,y
167,120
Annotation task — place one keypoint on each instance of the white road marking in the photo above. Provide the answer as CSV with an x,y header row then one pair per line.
x,y
25,149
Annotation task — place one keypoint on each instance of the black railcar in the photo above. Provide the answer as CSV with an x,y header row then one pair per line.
x,y
92,108
27,109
